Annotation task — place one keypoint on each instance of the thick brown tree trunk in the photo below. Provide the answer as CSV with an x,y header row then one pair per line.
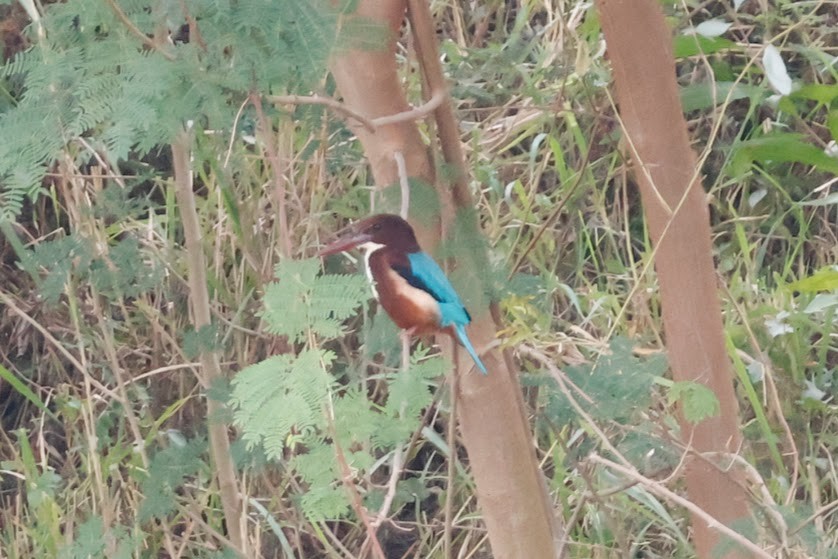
x,y
511,494
677,213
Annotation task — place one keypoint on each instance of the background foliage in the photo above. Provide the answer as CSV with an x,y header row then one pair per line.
x,y
103,445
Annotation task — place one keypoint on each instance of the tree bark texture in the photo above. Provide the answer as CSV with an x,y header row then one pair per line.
x,y
640,48
511,492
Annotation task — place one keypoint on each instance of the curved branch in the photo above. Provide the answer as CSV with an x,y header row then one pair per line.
x,y
146,40
673,497
370,124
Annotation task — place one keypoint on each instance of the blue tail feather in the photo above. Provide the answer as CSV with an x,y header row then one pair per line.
x,y
461,335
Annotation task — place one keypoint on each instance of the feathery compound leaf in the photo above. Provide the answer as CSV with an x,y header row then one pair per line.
x,y
325,502
356,419
167,471
281,394
408,394
300,300
618,383
317,466
698,401
88,77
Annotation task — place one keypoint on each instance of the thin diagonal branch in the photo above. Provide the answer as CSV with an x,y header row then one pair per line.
x,y
146,40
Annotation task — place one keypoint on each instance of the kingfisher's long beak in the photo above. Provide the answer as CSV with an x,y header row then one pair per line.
x,y
348,239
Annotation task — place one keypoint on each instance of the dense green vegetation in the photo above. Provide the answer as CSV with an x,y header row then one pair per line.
x,y
104,442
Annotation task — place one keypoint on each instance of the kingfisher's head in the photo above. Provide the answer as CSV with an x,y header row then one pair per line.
x,y
374,232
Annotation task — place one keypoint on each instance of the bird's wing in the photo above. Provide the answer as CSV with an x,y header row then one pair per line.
x,y
425,274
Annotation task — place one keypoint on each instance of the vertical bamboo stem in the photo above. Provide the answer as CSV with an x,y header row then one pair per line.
x,y
210,367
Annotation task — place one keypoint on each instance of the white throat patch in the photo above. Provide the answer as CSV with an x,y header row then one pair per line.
x,y
369,247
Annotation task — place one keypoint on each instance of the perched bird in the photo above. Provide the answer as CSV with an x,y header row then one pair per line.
x,y
410,286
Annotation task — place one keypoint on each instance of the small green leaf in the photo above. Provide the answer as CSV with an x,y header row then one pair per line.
x,y
825,279
316,466
698,402
822,93
43,488
828,200
691,45
58,259
125,271
325,502
812,392
821,302
23,390
705,94
712,28
832,123
781,148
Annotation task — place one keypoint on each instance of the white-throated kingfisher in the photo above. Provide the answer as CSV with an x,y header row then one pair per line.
x,y
407,282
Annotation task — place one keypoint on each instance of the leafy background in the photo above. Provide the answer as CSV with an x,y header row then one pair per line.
x,y
104,440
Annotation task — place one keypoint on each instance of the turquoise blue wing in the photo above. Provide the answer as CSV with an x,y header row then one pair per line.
x,y
425,274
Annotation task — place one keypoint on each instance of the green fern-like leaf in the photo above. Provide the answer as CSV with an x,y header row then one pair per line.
x,y
301,300
408,394
698,402
89,540
167,472
281,395
618,383
325,503
287,399
56,258
317,466
88,77
125,272
358,418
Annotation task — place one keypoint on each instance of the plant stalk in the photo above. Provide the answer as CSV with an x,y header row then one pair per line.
x,y
210,366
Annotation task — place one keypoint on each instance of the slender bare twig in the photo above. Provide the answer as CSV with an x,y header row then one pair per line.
x,y
161,370
661,491
404,183
108,171
416,113
146,40
272,153
371,125
233,133
395,473
196,518
559,377
768,504
452,456
398,453
82,369
349,484
773,396
194,31
333,104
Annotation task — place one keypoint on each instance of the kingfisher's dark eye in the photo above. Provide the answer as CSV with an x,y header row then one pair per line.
x,y
376,227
